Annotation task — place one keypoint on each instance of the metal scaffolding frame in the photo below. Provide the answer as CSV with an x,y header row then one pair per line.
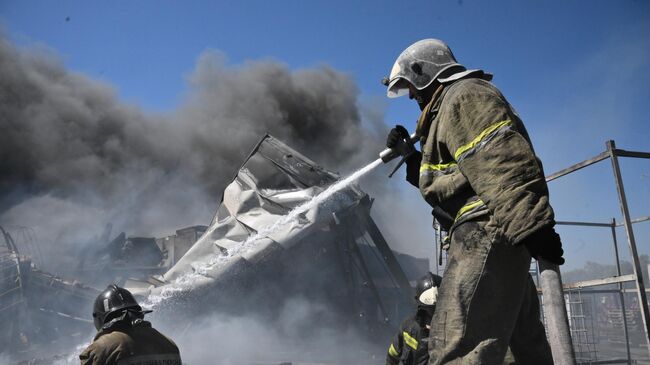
x,y
613,154
11,280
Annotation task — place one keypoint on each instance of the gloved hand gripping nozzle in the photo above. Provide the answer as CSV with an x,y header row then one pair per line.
x,y
399,143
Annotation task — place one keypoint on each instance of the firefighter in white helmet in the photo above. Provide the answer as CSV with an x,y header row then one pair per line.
x,y
478,171
410,343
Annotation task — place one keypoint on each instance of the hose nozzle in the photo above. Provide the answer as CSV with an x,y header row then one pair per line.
x,y
390,154
403,149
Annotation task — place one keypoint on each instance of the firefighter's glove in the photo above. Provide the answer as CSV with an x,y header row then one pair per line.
x,y
545,244
397,138
413,168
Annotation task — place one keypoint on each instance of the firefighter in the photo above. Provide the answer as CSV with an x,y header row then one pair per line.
x,y
478,170
123,336
411,341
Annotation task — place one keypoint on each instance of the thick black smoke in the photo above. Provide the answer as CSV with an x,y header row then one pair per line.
x,y
73,157
63,131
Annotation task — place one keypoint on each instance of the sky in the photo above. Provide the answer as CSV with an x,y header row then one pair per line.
x,y
575,71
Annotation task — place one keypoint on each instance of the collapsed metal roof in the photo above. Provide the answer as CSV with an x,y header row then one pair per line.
x,y
332,254
273,180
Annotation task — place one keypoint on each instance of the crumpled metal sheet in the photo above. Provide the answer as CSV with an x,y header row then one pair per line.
x,y
273,180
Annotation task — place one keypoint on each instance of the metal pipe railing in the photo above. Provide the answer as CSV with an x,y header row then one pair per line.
x,y
613,153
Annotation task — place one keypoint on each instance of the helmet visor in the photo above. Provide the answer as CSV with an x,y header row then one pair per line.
x,y
398,87
429,296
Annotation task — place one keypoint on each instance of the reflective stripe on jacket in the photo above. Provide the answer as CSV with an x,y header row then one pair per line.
x,y
477,159
409,345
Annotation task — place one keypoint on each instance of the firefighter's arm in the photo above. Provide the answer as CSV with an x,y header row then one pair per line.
x,y
395,349
91,356
101,352
85,358
491,147
439,176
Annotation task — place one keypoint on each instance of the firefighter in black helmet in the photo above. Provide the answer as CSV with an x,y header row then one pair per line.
x,y
410,344
123,336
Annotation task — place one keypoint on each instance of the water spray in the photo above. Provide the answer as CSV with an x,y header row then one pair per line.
x,y
200,270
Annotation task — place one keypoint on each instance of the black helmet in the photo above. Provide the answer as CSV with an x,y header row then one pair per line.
x,y
113,300
426,290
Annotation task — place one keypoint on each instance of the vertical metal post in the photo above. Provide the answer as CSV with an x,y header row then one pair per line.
x,y
344,260
620,292
643,300
557,322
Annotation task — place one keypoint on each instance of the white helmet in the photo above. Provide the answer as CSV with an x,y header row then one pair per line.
x,y
426,290
420,64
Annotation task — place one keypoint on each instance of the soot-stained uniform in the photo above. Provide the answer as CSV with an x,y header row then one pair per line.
x,y
409,345
480,173
131,344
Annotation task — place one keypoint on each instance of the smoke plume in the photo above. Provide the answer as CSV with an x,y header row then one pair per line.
x,y
73,157
292,337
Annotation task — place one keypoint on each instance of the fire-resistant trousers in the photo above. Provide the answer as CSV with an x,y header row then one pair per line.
x,y
487,301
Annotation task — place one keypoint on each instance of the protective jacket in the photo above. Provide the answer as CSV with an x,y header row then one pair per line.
x,y
410,344
131,344
477,159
